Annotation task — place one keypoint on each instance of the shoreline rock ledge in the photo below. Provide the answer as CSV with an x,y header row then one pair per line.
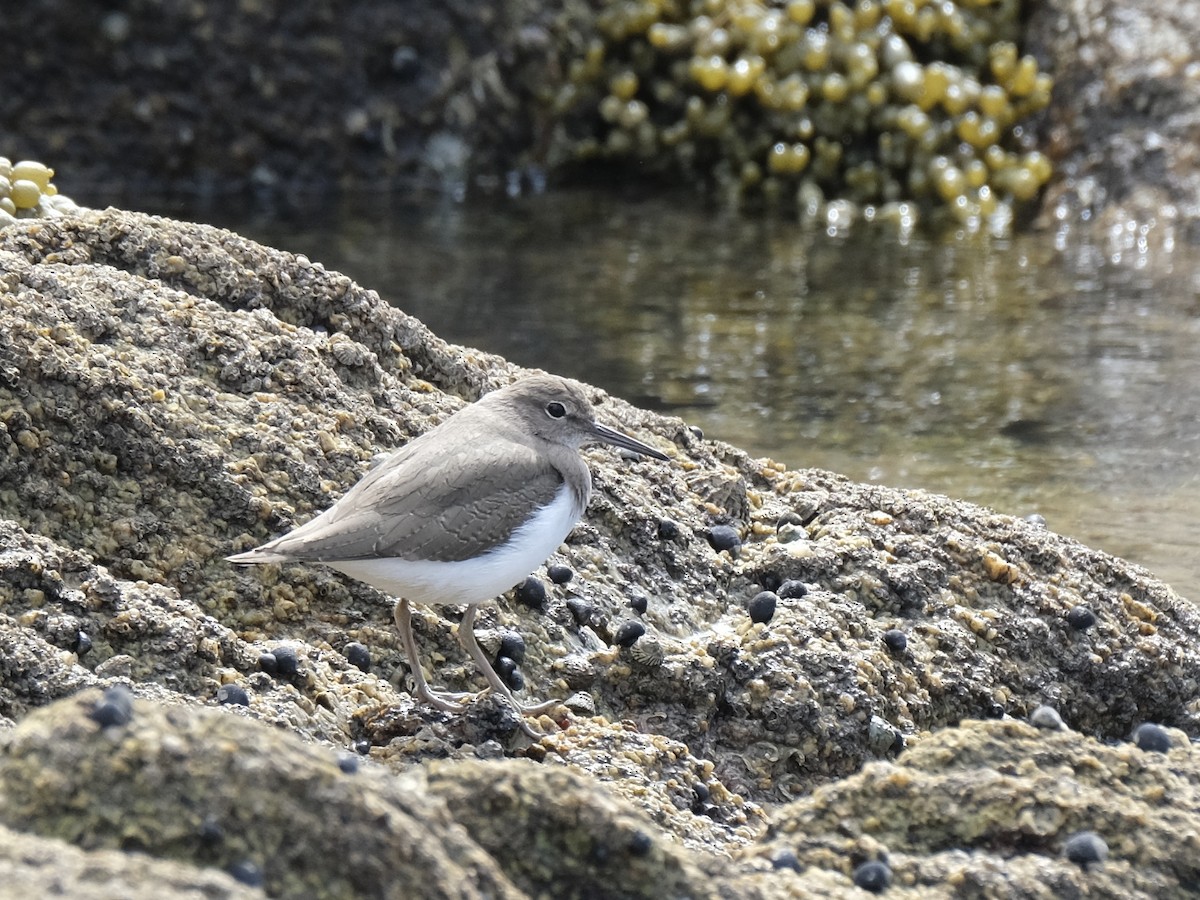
x,y
171,393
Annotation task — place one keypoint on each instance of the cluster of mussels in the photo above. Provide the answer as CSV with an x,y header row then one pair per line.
x,y
26,192
872,107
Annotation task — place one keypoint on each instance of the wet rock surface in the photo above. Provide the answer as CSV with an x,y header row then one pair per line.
x,y
171,393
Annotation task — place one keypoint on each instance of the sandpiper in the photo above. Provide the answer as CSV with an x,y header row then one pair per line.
x,y
463,512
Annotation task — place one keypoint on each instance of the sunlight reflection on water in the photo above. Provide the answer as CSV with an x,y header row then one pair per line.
x,y
1012,373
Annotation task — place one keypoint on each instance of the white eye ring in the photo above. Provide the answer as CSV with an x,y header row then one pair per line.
x,y
555,410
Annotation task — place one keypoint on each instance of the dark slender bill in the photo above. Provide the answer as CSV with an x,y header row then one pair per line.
x,y
619,439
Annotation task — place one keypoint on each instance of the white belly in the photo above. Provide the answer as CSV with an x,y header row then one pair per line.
x,y
474,580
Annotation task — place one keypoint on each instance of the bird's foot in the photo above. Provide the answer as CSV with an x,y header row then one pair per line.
x,y
466,637
532,733
536,709
457,701
446,701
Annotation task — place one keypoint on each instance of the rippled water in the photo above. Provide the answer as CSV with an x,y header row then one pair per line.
x,y
1009,373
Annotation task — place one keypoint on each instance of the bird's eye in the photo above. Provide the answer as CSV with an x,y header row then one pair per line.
x,y
555,410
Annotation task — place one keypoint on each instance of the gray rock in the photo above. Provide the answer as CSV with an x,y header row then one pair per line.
x,y
171,393
32,866
1122,128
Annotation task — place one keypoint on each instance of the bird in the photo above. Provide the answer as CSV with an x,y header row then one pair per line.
x,y
462,513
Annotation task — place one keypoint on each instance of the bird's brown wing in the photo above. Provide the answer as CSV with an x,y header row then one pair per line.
x,y
430,502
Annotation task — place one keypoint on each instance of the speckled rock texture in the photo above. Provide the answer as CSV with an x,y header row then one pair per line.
x,y
171,393
983,809
32,866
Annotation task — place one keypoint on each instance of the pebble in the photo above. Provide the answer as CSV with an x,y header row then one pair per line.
x,y
358,656
1036,519
1081,618
507,669
504,667
1047,717
724,537
792,590
787,533
762,606
1084,848
232,695
211,833
1152,738
639,604
119,666
348,763
789,518
287,663
247,873
82,645
786,859
640,844
512,645
668,530
490,749
628,632
560,574
895,640
790,527
873,876
114,708
268,663
883,737
583,611
532,593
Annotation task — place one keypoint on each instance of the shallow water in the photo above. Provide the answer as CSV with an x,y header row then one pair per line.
x,y
1017,375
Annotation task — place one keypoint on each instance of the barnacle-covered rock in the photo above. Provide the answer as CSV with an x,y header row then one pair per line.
x,y
902,618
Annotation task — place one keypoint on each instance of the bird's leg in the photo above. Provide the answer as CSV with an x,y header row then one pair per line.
x,y
447,701
466,637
